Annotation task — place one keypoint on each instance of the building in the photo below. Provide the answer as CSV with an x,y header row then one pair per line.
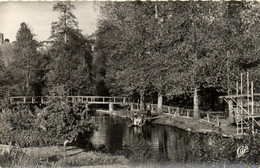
x,y
1,38
44,46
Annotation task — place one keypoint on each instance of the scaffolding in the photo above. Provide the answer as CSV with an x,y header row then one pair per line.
x,y
241,107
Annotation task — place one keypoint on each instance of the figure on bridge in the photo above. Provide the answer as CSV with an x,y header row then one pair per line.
x,y
148,110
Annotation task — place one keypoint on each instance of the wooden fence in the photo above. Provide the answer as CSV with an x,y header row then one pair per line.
x,y
177,112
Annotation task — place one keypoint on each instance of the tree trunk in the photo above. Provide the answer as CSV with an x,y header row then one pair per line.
x,y
196,104
227,63
142,100
27,75
160,103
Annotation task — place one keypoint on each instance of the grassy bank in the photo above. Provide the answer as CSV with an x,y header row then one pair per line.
x,y
56,157
74,156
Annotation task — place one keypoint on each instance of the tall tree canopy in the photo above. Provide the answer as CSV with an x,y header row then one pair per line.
x,y
71,54
66,22
177,47
25,59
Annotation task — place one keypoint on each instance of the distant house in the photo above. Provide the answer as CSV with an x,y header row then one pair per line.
x,y
7,51
1,38
44,46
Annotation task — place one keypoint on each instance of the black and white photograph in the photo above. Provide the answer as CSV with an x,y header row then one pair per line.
x,y
130,83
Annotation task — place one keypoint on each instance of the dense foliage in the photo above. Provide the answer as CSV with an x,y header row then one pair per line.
x,y
166,49
51,125
28,67
70,54
175,48
148,49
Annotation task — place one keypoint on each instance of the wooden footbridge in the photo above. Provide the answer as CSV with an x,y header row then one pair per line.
x,y
70,99
167,110
88,100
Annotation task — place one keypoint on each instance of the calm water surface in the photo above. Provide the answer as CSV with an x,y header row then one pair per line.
x,y
166,143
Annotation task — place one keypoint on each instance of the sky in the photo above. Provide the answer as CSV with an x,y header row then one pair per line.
x,y
39,16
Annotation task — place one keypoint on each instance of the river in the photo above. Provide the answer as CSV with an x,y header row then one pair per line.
x,y
160,143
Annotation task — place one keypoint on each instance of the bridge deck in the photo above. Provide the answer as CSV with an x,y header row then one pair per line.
x,y
71,99
173,111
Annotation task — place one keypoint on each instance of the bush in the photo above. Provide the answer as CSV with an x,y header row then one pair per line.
x,y
213,148
5,160
51,125
141,151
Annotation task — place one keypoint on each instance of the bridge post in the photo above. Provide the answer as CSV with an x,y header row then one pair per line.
x,y
208,117
111,107
178,111
132,107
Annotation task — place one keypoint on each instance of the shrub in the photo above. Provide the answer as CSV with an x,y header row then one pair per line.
x,y
141,151
5,160
51,125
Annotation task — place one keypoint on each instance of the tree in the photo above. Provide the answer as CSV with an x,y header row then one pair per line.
x,y
25,57
177,48
71,54
153,46
67,20
127,51
246,57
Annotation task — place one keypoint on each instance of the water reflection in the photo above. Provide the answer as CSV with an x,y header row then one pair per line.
x,y
111,133
163,142
166,142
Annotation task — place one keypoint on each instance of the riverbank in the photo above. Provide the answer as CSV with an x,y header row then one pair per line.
x,y
187,124
76,157
54,156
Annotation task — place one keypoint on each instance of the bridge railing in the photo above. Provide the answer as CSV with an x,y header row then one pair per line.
x,y
98,99
177,112
83,99
29,99
212,119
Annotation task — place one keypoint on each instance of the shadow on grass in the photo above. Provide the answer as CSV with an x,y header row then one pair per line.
x,y
75,153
